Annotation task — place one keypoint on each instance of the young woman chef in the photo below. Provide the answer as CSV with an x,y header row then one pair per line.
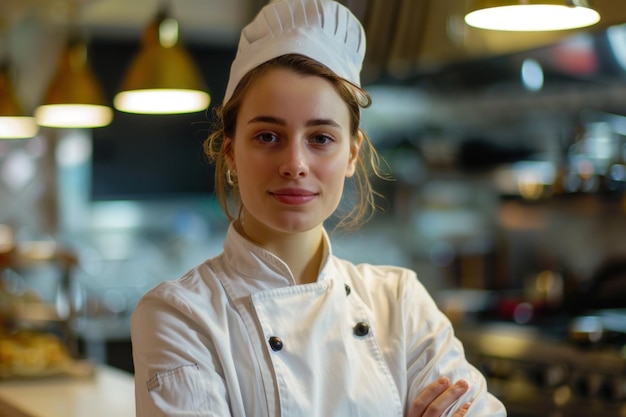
x,y
276,325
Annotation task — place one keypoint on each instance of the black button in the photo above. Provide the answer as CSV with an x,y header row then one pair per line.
x,y
347,287
276,343
361,328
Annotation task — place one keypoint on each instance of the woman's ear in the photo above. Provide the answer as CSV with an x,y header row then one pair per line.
x,y
227,149
355,146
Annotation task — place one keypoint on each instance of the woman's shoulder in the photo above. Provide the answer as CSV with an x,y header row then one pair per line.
x,y
195,297
373,277
375,271
384,287
199,281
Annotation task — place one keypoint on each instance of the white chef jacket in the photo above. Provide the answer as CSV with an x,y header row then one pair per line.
x,y
236,336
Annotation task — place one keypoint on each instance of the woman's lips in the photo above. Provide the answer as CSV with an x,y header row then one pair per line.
x,y
293,196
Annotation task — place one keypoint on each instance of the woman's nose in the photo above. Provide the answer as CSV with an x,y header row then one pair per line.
x,y
294,162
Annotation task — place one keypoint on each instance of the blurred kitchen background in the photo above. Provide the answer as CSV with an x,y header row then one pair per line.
x,y
508,154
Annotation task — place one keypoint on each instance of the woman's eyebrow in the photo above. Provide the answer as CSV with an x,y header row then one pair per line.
x,y
282,122
267,119
322,122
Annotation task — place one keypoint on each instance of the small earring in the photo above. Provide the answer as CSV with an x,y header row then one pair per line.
x,y
229,178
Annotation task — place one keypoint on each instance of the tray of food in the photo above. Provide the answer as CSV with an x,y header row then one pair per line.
x,y
37,354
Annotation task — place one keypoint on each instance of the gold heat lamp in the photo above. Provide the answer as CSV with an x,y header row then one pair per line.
x,y
162,79
531,15
74,98
14,124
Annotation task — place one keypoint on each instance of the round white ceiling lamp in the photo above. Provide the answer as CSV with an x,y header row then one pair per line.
x,y
531,15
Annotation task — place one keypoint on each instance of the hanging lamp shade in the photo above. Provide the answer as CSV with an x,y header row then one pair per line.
x,y
162,78
74,98
531,15
14,123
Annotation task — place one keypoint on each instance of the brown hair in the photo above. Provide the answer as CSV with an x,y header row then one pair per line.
x,y
368,161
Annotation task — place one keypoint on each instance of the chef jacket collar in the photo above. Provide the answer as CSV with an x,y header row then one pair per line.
x,y
256,263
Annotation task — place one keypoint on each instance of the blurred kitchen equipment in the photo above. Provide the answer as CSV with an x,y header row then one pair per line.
x,y
568,361
606,287
538,373
21,308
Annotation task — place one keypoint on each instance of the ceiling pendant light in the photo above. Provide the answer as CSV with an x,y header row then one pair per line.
x,y
531,15
162,79
14,124
74,98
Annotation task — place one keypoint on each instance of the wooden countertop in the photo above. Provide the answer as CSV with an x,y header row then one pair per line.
x,y
109,392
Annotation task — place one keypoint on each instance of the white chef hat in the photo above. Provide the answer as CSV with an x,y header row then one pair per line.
x,y
323,30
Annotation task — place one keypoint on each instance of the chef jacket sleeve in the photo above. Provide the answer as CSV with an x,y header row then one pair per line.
x,y
434,351
175,373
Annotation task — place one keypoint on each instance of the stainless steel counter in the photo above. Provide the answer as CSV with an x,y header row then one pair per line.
x,y
109,392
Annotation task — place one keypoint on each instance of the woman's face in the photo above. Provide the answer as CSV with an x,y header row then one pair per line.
x,y
292,152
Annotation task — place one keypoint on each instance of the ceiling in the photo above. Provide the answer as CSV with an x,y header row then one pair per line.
x,y
404,36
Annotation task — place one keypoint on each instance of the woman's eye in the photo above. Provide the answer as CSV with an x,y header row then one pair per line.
x,y
267,137
321,139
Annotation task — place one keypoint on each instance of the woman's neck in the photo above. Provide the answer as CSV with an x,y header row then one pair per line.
x,y
302,252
